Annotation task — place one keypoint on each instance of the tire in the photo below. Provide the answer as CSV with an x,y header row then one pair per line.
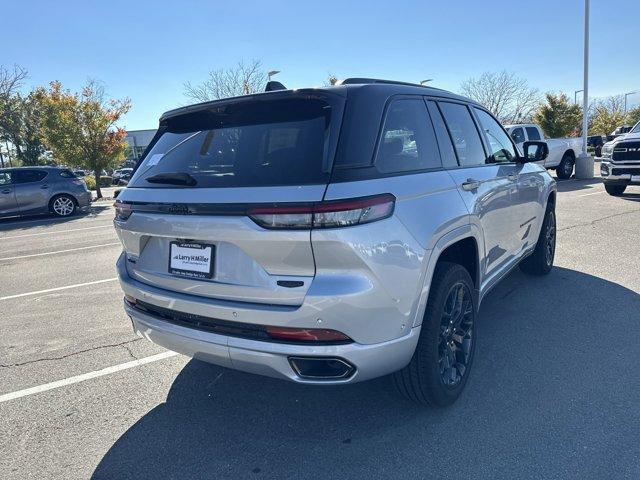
x,y
540,262
615,190
426,379
63,205
565,169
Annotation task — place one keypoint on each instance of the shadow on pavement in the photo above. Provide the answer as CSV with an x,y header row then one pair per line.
x,y
574,184
632,196
34,221
551,395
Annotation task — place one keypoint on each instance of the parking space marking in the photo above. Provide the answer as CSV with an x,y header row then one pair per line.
x,y
57,289
58,221
59,251
587,194
55,231
85,376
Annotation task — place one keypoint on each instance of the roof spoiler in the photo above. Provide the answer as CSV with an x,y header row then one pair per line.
x,y
273,86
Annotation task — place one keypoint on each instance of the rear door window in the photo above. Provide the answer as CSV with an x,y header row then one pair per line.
x,y
464,134
67,174
407,142
29,176
259,143
447,153
533,134
5,178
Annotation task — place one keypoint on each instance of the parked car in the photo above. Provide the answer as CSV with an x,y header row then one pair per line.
x,y
620,164
331,235
122,175
80,173
562,151
621,130
33,190
596,142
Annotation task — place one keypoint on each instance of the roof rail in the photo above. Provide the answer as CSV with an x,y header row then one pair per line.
x,y
357,80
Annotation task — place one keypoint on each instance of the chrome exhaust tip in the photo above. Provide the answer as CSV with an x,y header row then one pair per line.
x,y
322,368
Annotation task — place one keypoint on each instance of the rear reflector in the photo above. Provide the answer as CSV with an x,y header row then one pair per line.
x,y
123,210
330,214
320,368
306,334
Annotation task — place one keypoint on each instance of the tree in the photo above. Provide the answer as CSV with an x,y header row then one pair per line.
x,y
242,79
558,117
80,128
331,80
633,116
508,97
608,114
20,117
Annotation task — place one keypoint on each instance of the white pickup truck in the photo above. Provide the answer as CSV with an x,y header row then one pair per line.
x,y
562,151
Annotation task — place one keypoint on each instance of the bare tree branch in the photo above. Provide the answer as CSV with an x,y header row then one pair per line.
x,y
508,97
243,79
11,80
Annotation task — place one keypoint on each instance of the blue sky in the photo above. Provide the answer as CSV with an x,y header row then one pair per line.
x,y
146,50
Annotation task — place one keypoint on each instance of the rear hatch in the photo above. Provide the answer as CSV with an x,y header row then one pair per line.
x,y
183,217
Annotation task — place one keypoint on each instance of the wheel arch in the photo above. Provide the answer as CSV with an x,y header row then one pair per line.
x,y
60,194
461,245
551,199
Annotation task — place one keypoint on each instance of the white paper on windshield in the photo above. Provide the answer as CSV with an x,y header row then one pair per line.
x,y
155,159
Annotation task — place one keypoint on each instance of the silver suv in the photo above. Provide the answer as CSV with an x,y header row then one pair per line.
x,y
331,235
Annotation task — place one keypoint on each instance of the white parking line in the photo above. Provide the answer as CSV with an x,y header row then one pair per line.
x,y
55,231
57,289
57,221
59,251
85,376
587,194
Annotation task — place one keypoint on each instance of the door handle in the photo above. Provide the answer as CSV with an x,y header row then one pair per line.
x,y
7,190
512,177
44,186
470,184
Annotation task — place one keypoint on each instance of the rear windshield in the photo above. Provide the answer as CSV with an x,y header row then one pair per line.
x,y
259,143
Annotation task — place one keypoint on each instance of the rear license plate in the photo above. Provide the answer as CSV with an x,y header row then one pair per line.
x,y
193,260
635,178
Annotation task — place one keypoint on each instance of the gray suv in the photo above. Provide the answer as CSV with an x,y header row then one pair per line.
x,y
331,235
34,190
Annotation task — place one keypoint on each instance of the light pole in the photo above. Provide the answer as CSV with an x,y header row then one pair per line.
x,y
584,163
422,82
625,99
575,96
271,73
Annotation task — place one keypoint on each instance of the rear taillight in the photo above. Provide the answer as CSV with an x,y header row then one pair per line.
x,y
123,210
306,334
330,214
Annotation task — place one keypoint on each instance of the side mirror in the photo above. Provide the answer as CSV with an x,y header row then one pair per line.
x,y
535,151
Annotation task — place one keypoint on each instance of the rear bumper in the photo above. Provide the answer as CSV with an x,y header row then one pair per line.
x,y
255,356
84,200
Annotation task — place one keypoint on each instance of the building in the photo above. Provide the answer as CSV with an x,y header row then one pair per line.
x,y
137,142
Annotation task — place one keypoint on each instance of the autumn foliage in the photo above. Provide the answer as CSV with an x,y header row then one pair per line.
x,y
80,128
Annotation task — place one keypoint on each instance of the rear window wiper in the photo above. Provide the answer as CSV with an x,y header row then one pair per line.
x,y
173,178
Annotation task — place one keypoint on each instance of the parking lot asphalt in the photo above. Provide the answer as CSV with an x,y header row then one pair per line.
x,y
554,392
